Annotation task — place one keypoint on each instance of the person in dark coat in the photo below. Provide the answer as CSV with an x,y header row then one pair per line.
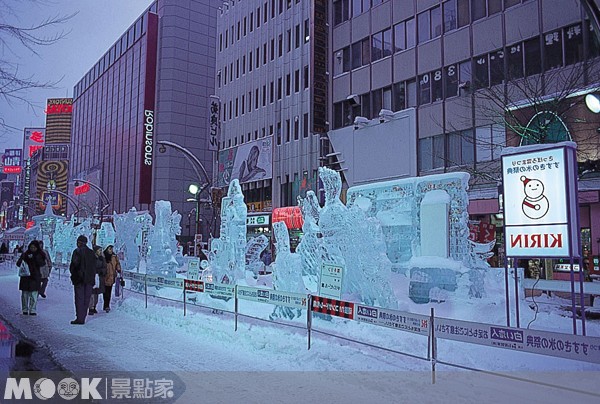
x,y
83,274
113,269
30,285
100,279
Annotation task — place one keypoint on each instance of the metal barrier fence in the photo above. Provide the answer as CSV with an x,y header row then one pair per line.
x,y
574,347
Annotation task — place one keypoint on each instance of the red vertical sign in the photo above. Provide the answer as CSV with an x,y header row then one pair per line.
x,y
148,114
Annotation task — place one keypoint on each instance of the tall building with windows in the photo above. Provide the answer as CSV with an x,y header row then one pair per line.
x,y
272,87
470,77
153,84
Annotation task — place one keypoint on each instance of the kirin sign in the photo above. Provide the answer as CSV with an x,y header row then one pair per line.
x,y
540,201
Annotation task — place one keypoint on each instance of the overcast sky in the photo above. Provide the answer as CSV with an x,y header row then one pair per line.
x,y
97,25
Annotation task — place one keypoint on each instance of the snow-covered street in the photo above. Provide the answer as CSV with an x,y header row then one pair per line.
x,y
263,361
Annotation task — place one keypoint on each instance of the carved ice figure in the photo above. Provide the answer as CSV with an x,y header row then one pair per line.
x,y
106,235
83,229
287,271
162,242
127,229
309,248
254,249
233,231
356,242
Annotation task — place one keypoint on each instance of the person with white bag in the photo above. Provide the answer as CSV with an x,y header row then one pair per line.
x,y
29,264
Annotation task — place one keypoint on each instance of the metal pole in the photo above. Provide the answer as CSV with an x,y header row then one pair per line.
x,y
184,300
309,318
581,296
197,218
573,303
146,289
433,347
236,308
507,294
517,295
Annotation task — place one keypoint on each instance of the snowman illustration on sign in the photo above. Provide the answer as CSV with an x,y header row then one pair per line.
x,y
535,205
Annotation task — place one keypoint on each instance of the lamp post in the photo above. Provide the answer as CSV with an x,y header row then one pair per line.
x,y
101,193
204,180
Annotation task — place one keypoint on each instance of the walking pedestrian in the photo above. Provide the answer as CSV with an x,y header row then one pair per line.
x,y
45,270
113,266
83,272
30,285
99,279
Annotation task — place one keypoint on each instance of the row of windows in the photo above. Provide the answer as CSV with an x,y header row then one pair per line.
x,y
255,58
290,131
465,11
461,147
254,99
248,23
561,47
135,32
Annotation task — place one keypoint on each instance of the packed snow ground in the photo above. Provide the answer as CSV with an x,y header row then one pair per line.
x,y
264,361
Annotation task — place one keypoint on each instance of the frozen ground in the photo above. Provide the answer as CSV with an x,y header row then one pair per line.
x,y
265,362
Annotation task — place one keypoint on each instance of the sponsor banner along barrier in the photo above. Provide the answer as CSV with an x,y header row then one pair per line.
x,y
219,289
333,307
567,346
288,299
399,320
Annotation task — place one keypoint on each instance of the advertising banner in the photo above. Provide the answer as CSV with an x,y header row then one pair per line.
x,y
194,286
219,289
33,140
537,185
270,296
12,161
398,320
214,123
333,307
248,162
540,342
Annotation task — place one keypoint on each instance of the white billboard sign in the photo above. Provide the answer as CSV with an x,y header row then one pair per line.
x,y
537,189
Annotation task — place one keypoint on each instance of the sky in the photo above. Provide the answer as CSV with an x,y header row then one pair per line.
x,y
89,34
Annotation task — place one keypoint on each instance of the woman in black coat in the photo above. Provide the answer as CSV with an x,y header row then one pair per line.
x,y
30,285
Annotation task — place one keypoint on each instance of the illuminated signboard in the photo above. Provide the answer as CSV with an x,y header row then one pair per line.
x,y
11,169
540,190
12,161
82,189
214,122
33,140
59,106
33,149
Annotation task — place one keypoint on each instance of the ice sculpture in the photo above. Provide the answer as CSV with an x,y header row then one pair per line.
x,y
126,231
106,235
83,229
287,274
47,224
355,242
63,242
310,246
162,240
254,248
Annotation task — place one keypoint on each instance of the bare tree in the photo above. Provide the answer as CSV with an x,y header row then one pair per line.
x,y
14,37
536,109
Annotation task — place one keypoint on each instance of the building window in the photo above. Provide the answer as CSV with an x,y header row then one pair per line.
x,y
436,22
497,67
450,19
478,9
296,128
464,17
280,44
482,78
278,133
399,97
494,7
437,85
411,33
399,37
306,30
297,39
451,81
306,78
341,11
287,130
533,60
553,50
515,61
288,84
425,89
279,88
461,148
411,93
424,32
573,44
305,126
297,81
366,51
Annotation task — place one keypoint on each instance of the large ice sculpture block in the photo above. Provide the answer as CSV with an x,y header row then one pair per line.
x,y
162,240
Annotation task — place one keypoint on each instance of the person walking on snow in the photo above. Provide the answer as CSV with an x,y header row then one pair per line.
x,y
83,274
30,285
45,270
99,279
113,266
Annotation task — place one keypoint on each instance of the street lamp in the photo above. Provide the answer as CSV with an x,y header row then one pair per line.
x,y
101,193
592,101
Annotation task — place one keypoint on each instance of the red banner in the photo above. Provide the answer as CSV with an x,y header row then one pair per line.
x,y
333,307
193,286
291,216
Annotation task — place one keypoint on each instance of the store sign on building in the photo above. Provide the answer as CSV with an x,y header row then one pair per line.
x,y
59,106
540,192
82,189
12,161
259,220
214,123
